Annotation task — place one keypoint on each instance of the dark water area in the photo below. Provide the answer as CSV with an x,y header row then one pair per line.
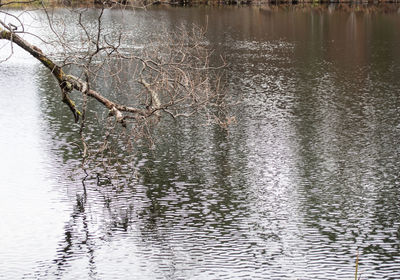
x,y
306,178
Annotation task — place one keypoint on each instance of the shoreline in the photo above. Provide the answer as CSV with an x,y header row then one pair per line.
x,y
386,6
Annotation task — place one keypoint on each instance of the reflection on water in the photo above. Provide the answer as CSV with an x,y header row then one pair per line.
x,y
305,179
32,200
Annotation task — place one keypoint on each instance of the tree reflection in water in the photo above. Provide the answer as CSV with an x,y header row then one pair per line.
x,y
307,176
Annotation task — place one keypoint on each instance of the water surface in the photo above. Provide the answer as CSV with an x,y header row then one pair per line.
x,y
307,177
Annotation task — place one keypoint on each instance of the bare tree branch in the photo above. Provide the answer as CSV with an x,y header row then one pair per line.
x,y
138,86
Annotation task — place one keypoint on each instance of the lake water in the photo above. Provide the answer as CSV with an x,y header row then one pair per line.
x,y
307,177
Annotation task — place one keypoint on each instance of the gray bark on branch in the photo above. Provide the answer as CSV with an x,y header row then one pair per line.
x,y
68,83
